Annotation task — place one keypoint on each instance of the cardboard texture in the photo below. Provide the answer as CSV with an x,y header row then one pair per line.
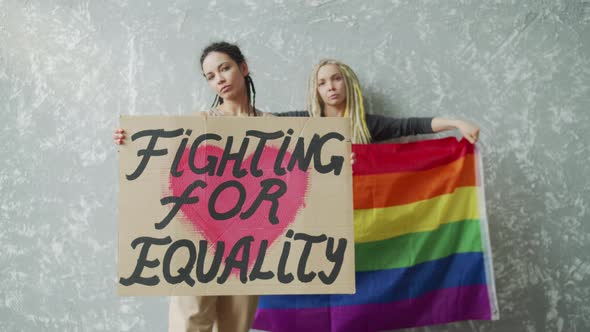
x,y
217,214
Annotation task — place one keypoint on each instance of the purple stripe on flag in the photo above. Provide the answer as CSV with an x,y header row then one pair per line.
x,y
437,307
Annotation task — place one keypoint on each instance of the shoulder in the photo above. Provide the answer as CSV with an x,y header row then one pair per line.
x,y
202,114
293,113
263,114
374,119
377,119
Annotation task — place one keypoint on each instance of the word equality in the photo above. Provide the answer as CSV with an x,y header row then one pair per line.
x,y
301,156
194,270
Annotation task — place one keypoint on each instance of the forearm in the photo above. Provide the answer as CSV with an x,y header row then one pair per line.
x,y
384,128
442,124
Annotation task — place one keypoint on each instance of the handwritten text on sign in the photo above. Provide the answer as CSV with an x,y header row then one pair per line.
x,y
239,206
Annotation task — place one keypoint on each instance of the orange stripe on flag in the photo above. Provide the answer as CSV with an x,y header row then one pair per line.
x,y
390,189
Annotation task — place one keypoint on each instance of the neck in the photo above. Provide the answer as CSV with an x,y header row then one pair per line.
x,y
236,107
334,111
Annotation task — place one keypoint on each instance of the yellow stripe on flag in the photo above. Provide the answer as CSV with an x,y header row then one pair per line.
x,y
423,216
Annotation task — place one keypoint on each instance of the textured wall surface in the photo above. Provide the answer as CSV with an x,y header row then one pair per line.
x,y
519,69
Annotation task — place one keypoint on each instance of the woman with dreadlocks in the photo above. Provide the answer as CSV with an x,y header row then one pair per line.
x,y
334,90
226,71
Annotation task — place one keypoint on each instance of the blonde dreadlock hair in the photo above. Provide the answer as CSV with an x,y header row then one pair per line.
x,y
355,108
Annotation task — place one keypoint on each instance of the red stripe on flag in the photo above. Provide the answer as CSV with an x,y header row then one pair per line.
x,y
408,157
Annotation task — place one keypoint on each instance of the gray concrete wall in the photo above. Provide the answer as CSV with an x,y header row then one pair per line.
x,y
520,69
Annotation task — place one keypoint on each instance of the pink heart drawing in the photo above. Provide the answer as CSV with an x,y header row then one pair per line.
x,y
231,230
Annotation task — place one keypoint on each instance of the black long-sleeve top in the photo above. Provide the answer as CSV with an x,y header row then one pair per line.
x,y
383,128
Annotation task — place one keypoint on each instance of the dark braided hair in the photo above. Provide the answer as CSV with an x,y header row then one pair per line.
x,y
234,52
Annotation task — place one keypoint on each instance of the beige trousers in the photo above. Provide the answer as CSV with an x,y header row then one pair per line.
x,y
212,313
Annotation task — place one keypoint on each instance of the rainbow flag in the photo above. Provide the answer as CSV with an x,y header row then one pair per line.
x,y
421,246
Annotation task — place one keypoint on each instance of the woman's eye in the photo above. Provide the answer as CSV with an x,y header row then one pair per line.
x,y
321,83
224,68
338,78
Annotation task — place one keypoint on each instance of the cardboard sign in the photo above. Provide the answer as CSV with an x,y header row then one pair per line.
x,y
228,205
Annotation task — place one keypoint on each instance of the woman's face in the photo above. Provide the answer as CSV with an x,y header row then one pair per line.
x,y
224,75
331,86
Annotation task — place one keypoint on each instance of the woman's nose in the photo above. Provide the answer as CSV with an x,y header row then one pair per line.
x,y
220,79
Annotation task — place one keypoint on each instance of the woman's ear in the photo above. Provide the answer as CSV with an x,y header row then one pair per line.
x,y
244,69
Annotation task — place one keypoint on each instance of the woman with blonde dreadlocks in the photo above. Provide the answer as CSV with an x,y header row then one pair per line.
x,y
334,90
